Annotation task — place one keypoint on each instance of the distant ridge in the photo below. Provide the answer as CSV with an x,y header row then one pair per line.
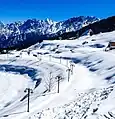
x,y
12,35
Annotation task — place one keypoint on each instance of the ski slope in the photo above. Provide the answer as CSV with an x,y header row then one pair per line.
x,y
89,93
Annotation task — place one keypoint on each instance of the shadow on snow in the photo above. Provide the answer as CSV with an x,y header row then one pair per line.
x,y
32,73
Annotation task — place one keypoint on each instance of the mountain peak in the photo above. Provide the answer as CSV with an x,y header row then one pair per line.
x,y
1,24
49,21
46,27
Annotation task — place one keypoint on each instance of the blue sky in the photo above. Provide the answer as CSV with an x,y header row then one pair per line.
x,y
13,10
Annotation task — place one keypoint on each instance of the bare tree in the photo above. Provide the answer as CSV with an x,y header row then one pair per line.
x,y
49,83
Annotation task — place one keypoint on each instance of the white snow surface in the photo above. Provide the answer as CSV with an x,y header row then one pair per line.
x,y
89,93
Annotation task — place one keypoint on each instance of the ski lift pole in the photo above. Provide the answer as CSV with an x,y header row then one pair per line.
x,y
71,67
68,70
59,78
28,90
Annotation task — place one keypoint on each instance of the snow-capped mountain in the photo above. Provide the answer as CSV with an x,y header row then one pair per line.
x,y
23,34
47,26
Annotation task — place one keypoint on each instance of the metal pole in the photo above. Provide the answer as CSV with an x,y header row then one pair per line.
x,y
71,67
50,81
58,83
59,78
28,90
68,70
68,75
28,99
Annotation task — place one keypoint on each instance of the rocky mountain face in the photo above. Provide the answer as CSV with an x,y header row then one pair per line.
x,y
47,26
101,26
13,34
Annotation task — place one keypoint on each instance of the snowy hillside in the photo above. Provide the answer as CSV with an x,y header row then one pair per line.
x,y
87,94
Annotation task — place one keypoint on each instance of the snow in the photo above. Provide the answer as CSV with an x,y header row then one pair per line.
x,y
46,26
89,93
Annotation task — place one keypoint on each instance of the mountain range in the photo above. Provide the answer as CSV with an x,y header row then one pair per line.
x,y
19,35
12,35
47,26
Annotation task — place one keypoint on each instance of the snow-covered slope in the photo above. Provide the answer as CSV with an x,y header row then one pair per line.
x,y
89,94
98,98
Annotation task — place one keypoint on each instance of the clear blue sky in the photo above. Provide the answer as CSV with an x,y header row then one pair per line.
x,y
13,10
